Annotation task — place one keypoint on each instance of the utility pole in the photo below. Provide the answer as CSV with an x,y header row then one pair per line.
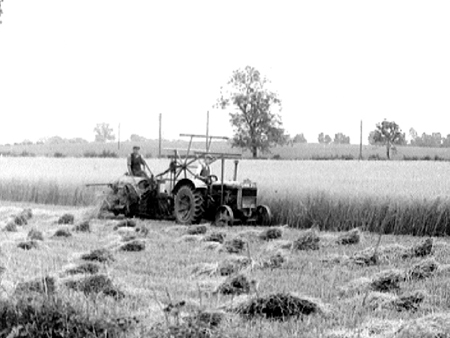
x,y
207,131
118,137
360,141
160,135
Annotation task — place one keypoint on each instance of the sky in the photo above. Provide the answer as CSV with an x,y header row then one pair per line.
x,y
67,65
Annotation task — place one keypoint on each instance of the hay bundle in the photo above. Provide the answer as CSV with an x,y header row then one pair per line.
x,y
28,245
133,245
409,301
235,285
422,269
34,234
234,245
204,269
423,249
83,227
366,257
84,268
432,326
377,300
126,223
271,234
279,306
44,285
208,318
99,255
386,281
95,284
10,227
62,233
309,240
273,261
20,220
66,219
350,237
233,265
27,213
216,236
197,229
404,302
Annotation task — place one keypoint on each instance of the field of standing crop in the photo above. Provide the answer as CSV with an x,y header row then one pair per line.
x,y
399,197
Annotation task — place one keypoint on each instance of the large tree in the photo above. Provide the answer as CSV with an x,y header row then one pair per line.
x,y
103,132
387,133
256,124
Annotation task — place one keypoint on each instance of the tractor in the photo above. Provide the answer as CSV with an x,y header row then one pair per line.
x,y
177,194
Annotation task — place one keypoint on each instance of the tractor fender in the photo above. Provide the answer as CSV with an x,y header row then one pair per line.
x,y
195,184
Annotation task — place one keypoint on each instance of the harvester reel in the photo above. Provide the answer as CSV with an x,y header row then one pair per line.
x,y
188,205
224,216
182,165
263,215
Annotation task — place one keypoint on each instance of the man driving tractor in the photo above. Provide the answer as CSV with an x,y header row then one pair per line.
x,y
203,169
135,163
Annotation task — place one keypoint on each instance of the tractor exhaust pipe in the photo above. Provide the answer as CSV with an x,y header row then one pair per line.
x,y
236,162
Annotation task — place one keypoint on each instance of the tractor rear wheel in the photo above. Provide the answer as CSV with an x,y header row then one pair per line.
x,y
188,205
263,215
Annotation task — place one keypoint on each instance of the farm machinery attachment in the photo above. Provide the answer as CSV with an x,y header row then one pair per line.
x,y
177,193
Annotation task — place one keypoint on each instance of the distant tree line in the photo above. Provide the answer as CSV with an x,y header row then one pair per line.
x,y
339,138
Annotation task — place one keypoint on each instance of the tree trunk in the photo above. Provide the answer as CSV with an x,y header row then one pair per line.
x,y
255,152
388,147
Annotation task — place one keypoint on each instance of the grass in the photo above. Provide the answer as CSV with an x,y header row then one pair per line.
x,y
153,279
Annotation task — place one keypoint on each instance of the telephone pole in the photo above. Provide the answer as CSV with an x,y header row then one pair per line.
x,y
207,131
160,135
118,137
360,141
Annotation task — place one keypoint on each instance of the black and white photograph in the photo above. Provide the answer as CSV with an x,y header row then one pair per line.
x,y
224,169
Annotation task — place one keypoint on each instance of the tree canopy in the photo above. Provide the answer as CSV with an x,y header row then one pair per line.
x,y
340,138
324,139
256,124
387,133
103,132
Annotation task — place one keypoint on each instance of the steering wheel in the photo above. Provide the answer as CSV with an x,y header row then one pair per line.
x,y
210,179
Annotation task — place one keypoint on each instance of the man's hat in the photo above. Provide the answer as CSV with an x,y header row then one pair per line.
x,y
208,156
136,148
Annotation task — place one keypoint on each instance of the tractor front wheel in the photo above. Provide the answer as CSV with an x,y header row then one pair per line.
x,y
263,215
224,216
188,206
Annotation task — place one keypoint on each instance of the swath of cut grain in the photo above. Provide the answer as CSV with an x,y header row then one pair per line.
x,y
308,240
280,306
350,237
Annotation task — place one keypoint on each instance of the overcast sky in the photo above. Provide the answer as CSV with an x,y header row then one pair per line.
x,y
67,65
